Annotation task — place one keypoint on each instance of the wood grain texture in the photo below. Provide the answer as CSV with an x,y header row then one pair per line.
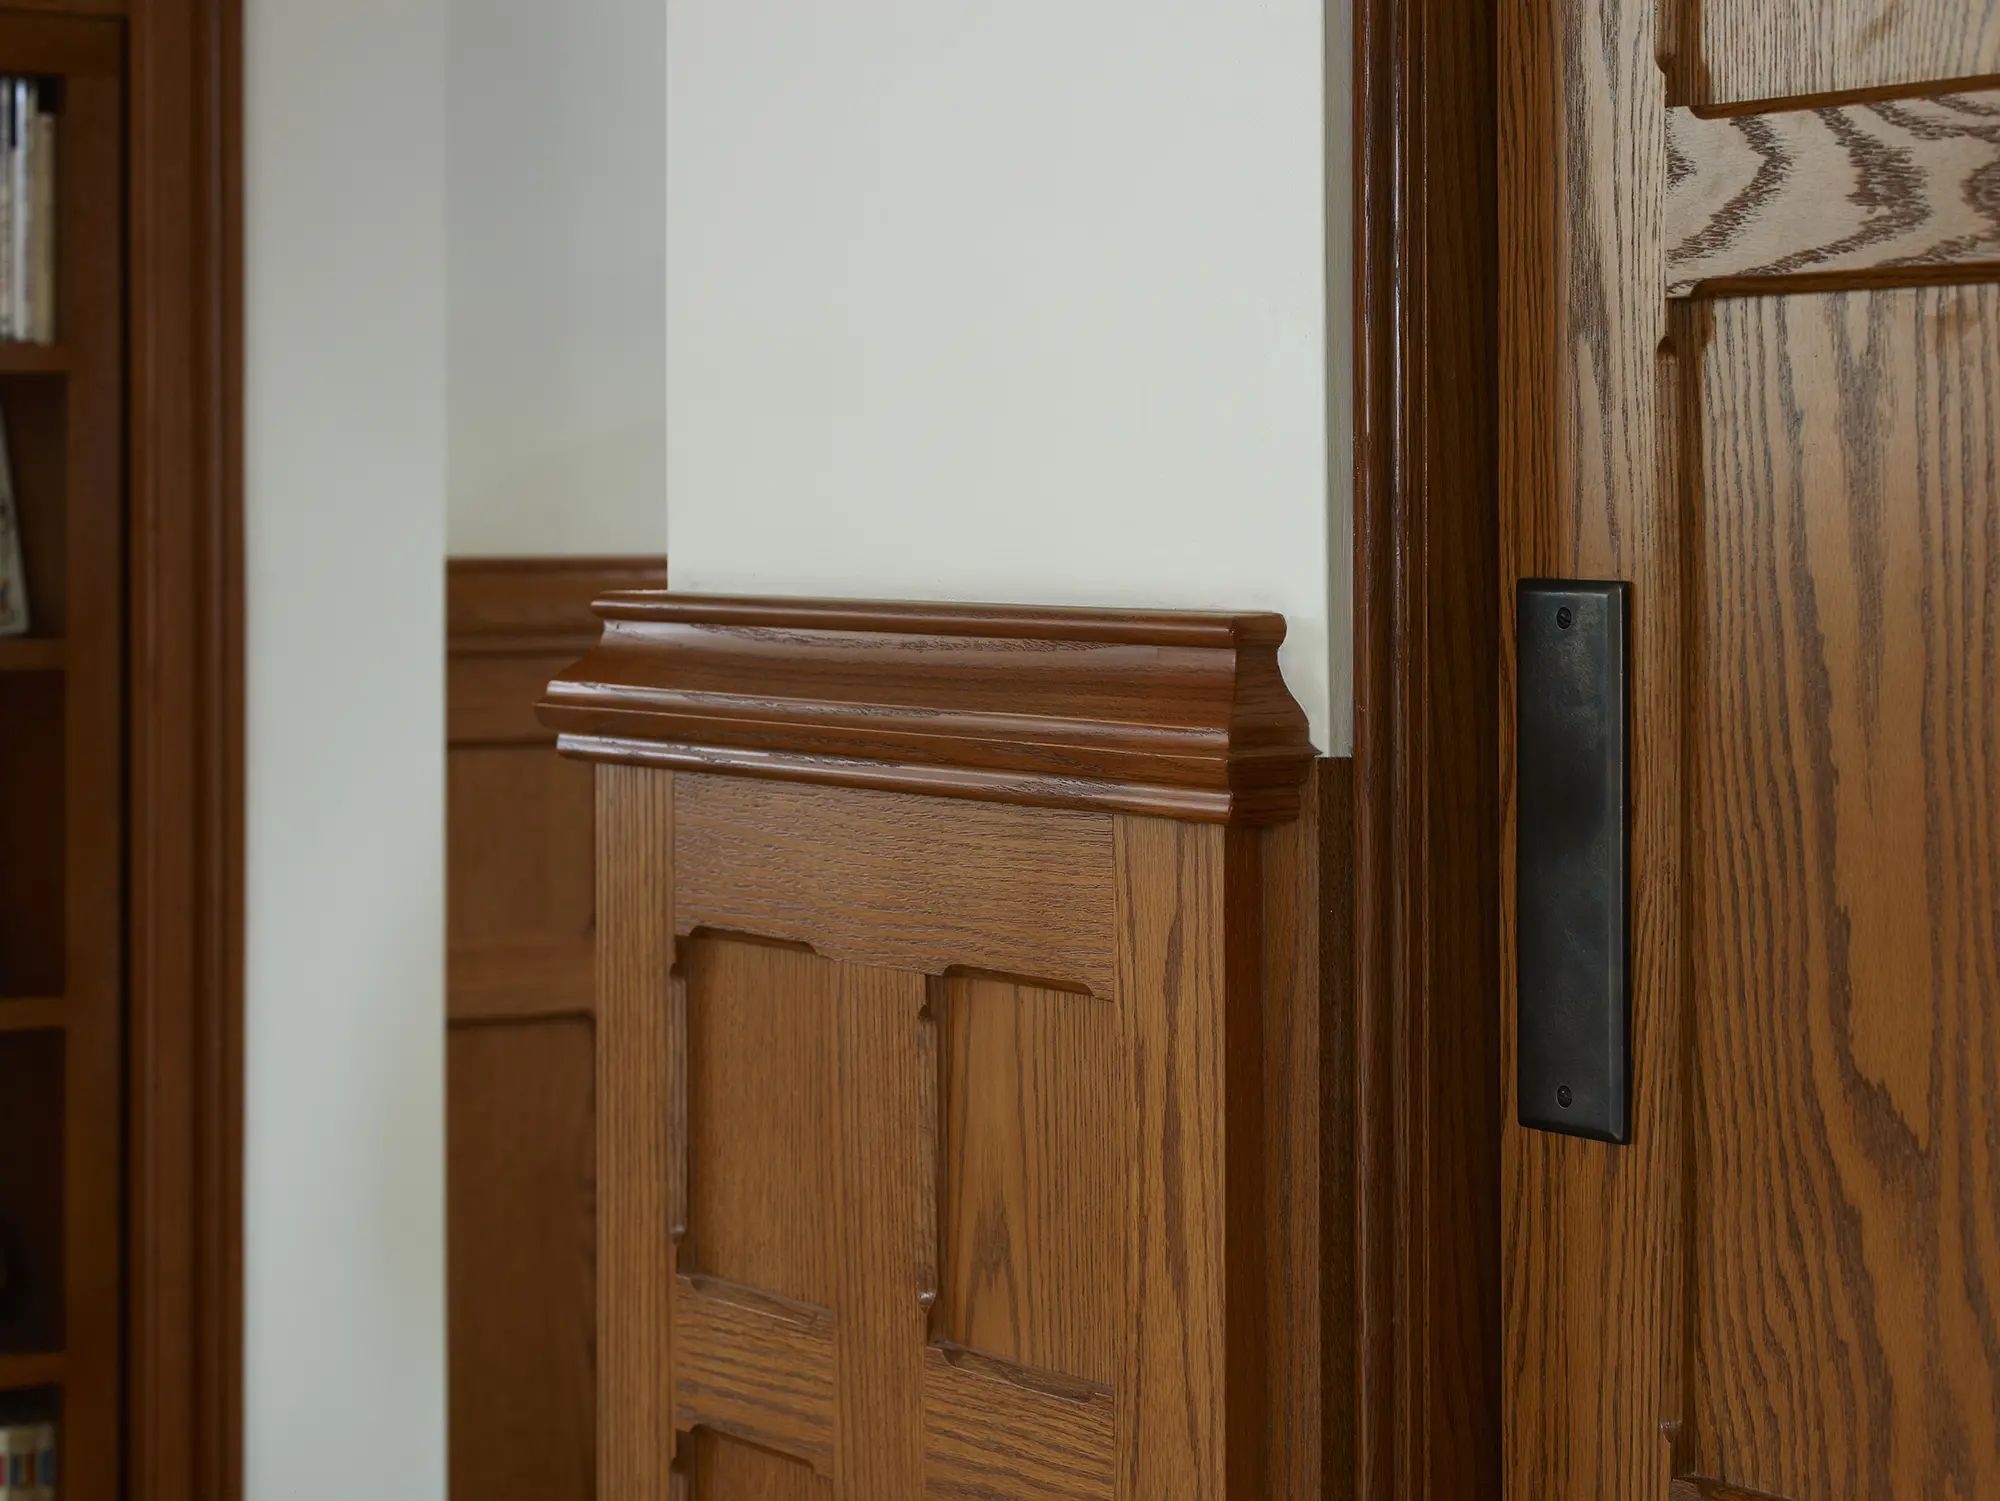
x,y
536,605
1178,713
1032,1234
1308,1252
879,1161
635,1252
182,379
1769,49
76,439
511,624
901,881
521,1229
1411,1103
720,1468
996,1429
521,907
761,1085
1846,949
1194,1328
1877,185
520,994
1590,489
757,1367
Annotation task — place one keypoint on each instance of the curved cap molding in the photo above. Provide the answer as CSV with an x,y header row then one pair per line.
x,y
1176,713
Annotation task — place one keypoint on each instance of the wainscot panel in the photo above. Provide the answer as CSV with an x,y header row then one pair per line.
x,y
963,1036
521,1056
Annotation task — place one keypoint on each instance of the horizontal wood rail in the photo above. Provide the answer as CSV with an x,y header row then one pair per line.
x,y
1182,714
1872,186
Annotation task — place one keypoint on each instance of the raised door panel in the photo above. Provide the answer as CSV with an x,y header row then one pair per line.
x,y
714,1467
1768,49
760,1091
1032,1238
1845,1261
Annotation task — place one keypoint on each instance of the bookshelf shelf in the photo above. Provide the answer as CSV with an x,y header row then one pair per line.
x,y
35,1013
18,1372
33,654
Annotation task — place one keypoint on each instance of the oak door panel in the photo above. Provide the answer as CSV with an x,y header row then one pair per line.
x,y
1765,49
521,1200
1845,1273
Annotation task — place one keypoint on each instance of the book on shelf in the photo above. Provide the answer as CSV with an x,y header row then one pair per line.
x,y
27,210
28,1462
13,571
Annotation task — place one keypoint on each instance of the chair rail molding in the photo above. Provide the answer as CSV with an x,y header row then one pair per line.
x,y
1173,713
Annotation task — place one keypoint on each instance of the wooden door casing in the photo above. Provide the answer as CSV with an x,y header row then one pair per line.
x,y
950,1145
1785,1287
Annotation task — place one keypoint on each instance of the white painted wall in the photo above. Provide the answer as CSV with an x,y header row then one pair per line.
x,y
344,543
557,226
1015,300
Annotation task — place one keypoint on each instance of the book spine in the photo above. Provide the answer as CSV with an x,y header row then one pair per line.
x,y
13,568
42,224
17,1454
24,202
45,1462
9,210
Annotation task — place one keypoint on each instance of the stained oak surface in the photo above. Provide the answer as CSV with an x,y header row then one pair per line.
x,y
520,1004
1869,186
521,1175
760,1148
1846,1231
1768,49
1030,1226
1784,1287
923,1227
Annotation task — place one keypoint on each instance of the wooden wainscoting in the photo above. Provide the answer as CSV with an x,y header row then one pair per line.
x,y
964,1039
520,1059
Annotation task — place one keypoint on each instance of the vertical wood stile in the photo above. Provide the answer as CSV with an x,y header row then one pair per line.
x,y
1190,1422
1300,1233
635,1269
1591,1233
879,1321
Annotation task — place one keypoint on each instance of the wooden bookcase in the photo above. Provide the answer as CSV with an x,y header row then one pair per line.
x,y
62,790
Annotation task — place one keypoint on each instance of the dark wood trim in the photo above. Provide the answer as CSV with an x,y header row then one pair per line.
x,y
1181,714
185,706
520,606
511,624
1426,1111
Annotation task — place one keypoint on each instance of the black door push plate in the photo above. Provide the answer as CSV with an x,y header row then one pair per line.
x,y
1573,857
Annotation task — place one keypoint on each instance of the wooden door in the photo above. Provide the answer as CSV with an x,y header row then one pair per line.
x,y
1751,364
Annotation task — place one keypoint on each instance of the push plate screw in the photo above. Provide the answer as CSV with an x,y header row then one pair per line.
x,y
1563,1096
1565,618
